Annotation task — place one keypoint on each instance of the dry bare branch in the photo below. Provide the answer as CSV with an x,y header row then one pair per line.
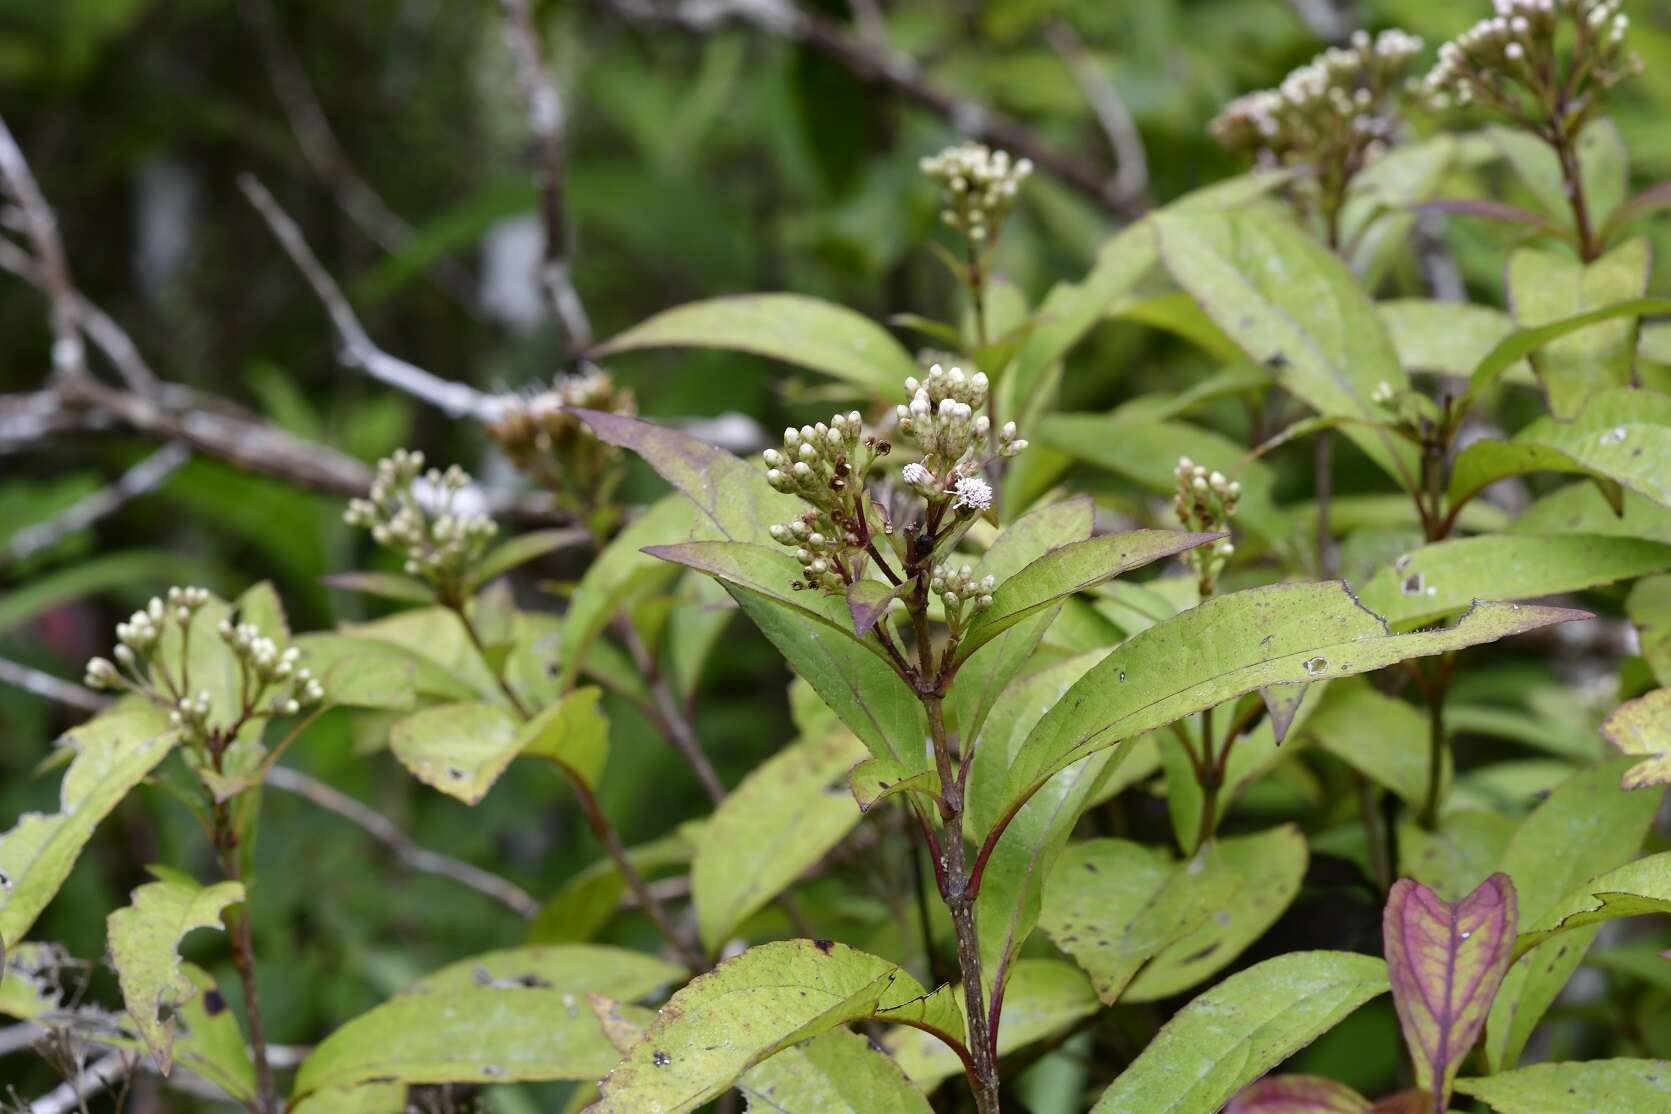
x,y
143,478
547,123
887,68
1130,183
358,350
69,354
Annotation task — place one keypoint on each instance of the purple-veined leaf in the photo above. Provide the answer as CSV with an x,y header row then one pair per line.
x,y
1446,961
1298,1094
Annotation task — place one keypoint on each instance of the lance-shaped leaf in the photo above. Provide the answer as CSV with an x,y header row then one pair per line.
x,y
725,1022
782,819
1446,961
1587,824
1235,644
1546,286
1642,728
1444,578
144,938
769,572
573,968
1584,1088
805,331
1291,305
983,676
384,585
371,1098
864,691
620,571
1298,1094
732,494
572,734
1517,344
1380,736
1240,1029
113,753
519,551
1637,889
1621,439
1072,568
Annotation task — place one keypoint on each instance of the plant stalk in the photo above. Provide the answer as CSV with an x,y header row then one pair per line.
x,y
237,921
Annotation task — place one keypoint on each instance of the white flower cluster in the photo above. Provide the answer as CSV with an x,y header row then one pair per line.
x,y
541,423
958,586
1206,501
825,464
432,518
1335,109
1517,48
273,681
979,186
946,417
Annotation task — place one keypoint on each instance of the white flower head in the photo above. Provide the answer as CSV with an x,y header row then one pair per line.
x,y
973,493
919,478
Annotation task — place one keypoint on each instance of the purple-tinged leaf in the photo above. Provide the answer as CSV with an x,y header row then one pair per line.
x,y
1281,704
389,585
731,492
1650,200
1406,1102
1489,210
1446,961
1298,1094
868,601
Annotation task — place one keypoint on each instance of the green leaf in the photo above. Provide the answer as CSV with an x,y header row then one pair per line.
x,y
1069,569
839,1072
1177,313
1298,1094
1043,998
360,673
519,551
1293,307
1445,961
1515,346
484,1035
113,753
208,1041
1621,437
460,749
371,1098
730,493
798,330
1381,737
572,968
1602,168
1588,824
1599,1085
782,819
386,585
1446,577
572,734
1545,287
448,666
618,573
1240,1029
982,676
1449,338
860,687
1636,889
144,938
725,1022
1642,728
1307,632
589,900
1457,855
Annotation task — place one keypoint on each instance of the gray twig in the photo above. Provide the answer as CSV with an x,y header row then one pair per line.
x,y
548,125
358,350
69,355
1130,183
884,67
143,478
324,154
417,858
48,687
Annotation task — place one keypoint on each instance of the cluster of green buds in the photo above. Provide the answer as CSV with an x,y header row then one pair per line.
x,y
1206,501
1333,115
979,187
544,439
434,519
825,465
271,681
1512,61
959,591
